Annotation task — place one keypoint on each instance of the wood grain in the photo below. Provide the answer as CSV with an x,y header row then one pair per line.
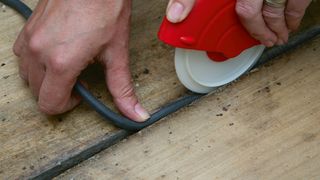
x,y
32,143
265,126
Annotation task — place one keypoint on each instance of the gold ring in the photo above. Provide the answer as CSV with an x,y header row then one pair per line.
x,y
276,3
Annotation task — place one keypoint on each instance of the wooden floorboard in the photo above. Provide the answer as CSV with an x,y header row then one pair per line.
x,y
32,144
265,126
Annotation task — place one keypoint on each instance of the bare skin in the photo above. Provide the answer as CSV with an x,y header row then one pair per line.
x,y
270,25
63,37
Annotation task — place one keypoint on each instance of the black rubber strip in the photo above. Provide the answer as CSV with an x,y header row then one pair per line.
x,y
129,125
126,123
295,41
19,6
65,164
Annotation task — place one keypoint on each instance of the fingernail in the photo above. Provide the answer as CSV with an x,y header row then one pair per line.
x,y
175,12
144,115
269,43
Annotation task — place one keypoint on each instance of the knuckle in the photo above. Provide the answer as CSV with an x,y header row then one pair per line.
x,y
35,44
272,15
57,64
295,14
121,86
246,11
125,91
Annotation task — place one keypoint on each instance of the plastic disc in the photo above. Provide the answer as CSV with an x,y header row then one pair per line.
x,y
200,74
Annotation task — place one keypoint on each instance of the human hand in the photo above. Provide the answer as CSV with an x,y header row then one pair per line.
x,y
268,24
62,38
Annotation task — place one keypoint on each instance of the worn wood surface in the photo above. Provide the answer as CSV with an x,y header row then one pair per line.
x,y
265,126
32,143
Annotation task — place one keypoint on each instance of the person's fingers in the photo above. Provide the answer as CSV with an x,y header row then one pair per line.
x,y
250,14
35,77
295,11
275,20
118,77
22,37
55,94
20,46
119,82
178,10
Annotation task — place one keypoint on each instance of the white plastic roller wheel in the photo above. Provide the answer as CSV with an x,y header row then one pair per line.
x,y
200,74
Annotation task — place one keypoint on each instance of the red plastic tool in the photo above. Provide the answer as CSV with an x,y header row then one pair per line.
x,y
212,26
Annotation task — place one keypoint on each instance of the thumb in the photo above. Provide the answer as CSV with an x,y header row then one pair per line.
x,y
119,82
178,10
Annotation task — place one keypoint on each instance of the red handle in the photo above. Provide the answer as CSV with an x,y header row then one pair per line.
x,y
212,26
